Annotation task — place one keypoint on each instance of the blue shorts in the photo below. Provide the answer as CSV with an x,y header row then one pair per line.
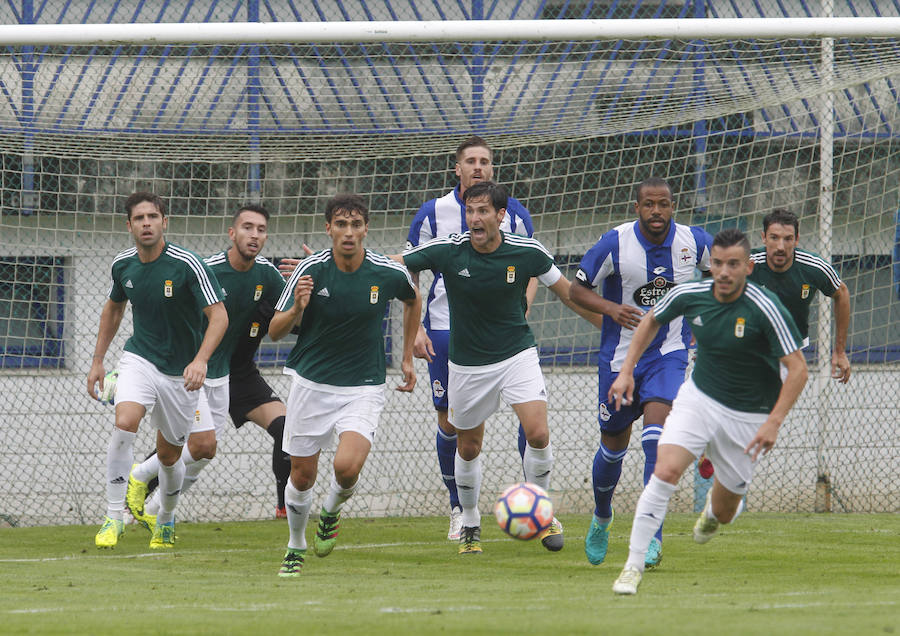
x,y
654,381
437,368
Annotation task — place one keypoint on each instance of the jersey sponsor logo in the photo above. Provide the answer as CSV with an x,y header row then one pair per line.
x,y
373,294
323,292
659,270
649,294
739,327
258,293
167,289
604,413
511,274
464,272
804,291
129,284
697,321
254,329
437,389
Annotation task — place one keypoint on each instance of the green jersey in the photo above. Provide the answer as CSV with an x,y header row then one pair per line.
x,y
167,296
486,292
341,341
797,285
739,344
243,292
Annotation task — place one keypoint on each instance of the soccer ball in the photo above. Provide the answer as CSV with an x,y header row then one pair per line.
x,y
524,511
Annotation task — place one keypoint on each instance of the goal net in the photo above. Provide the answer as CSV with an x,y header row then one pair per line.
x,y
737,125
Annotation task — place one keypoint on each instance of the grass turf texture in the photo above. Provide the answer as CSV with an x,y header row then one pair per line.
x,y
767,574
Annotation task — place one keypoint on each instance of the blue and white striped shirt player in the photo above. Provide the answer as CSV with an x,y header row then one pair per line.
x,y
636,272
442,217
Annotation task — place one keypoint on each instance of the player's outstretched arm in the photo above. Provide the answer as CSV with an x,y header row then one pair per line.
x,y
283,321
195,372
790,390
412,315
563,289
622,390
840,363
624,315
110,319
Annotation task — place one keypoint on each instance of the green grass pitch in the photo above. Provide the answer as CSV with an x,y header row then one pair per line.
x,y
768,574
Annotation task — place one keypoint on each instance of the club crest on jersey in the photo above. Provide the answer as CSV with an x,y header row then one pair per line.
x,y
254,329
373,294
804,292
511,274
258,293
739,327
686,255
167,290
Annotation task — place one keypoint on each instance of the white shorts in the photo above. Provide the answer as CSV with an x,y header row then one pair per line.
x,y
213,408
173,408
316,411
697,423
474,393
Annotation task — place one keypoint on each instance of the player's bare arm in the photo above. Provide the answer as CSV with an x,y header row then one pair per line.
x,y
283,321
422,347
840,363
110,319
563,289
790,390
530,293
195,372
624,315
412,316
622,390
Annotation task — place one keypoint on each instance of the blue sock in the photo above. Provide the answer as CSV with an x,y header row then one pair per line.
x,y
605,475
446,452
649,440
522,442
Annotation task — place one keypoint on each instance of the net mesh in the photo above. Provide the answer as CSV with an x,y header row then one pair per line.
x,y
735,127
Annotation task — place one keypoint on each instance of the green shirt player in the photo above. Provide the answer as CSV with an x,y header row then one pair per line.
x,y
732,405
795,275
492,352
165,360
339,298
248,281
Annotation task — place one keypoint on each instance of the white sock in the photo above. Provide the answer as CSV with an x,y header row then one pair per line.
x,y
297,503
538,462
192,468
468,486
648,517
337,495
119,457
170,481
147,469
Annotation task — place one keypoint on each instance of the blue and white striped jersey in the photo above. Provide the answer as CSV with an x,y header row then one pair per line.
x,y
442,217
636,272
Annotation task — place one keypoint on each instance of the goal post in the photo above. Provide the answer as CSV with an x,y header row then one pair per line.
x,y
739,115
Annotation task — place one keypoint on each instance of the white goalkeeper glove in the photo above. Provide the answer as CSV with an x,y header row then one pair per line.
x,y
108,394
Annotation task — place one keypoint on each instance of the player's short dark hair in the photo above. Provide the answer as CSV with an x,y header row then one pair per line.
x,y
781,216
498,194
652,182
140,197
346,202
731,236
251,207
472,142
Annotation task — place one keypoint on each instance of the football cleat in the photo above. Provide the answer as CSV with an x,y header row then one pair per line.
x,y
705,528
628,581
292,563
455,524
654,554
470,540
163,536
109,533
552,537
135,497
326,533
596,543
